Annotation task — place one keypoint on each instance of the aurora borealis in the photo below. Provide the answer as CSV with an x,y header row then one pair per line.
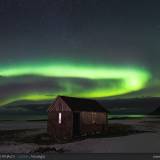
x,y
83,48
102,81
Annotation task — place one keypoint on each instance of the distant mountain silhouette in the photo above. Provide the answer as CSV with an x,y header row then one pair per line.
x,y
132,105
39,108
115,106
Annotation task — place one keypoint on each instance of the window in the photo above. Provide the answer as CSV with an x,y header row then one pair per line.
x,y
60,118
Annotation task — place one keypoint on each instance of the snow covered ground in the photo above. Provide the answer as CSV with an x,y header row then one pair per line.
x,y
147,142
140,143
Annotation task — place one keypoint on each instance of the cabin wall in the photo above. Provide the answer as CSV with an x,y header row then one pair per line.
x,y
63,130
60,131
93,122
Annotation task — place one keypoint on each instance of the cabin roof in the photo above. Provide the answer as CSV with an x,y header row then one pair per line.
x,y
83,104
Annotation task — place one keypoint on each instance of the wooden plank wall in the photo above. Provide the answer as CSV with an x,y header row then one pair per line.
x,y
93,117
93,122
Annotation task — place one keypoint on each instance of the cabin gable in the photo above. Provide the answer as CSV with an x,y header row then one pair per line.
x,y
59,106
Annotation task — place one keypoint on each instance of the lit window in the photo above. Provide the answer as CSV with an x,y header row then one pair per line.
x,y
60,118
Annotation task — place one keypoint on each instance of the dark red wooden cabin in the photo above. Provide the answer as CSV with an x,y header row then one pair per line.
x,y
69,117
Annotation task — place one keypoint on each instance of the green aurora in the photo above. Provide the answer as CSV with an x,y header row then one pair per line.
x,y
108,80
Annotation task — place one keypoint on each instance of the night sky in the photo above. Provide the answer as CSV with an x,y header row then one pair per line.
x,y
83,48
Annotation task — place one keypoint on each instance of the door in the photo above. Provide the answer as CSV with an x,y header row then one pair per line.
x,y
76,124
